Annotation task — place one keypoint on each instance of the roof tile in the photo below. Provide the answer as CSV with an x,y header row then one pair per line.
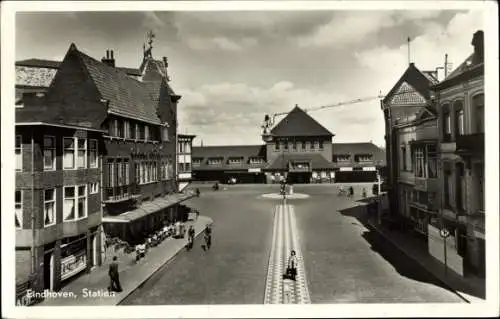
x,y
299,123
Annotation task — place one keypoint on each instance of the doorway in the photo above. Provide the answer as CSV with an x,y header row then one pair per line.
x,y
299,178
48,271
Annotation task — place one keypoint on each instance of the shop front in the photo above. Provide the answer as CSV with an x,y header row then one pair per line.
x,y
74,257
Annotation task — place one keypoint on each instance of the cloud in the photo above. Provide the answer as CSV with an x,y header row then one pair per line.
x,y
427,50
220,43
354,27
215,112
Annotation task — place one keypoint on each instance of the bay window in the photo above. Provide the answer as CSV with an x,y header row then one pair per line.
x,y
68,152
49,153
19,153
49,207
19,209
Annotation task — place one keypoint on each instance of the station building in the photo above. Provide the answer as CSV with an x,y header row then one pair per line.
x,y
299,149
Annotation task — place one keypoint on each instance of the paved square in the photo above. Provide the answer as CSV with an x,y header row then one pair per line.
x,y
344,261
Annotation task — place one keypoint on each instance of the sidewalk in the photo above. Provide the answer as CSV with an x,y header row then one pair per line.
x,y
132,274
470,288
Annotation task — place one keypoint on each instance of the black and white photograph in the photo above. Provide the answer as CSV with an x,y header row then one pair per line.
x,y
249,159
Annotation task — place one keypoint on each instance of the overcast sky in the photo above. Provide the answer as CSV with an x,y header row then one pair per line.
x,y
232,68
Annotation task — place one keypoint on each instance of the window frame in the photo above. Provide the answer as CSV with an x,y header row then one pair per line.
x,y
20,149
78,150
459,118
73,149
51,201
76,201
52,150
446,122
96,151
20,209
93,188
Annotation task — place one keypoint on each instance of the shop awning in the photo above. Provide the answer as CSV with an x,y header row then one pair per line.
x,y
318,162
148,208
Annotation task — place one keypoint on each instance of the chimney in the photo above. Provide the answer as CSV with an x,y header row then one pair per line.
x,y
109,59
478,43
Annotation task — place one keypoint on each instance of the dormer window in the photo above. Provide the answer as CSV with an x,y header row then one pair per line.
x,y
215,161
235,160
196,161
256,160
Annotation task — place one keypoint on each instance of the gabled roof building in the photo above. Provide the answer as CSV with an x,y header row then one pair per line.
x,y
101,142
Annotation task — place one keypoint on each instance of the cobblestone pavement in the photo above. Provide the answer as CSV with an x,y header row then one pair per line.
x,y
343,260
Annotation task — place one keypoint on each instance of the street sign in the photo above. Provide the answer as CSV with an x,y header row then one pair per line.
x,y
444,233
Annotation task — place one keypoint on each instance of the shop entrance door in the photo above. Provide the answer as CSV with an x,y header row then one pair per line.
x,y
48,270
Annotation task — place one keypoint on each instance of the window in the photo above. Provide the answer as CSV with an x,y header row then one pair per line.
x,y
181,147
49,207
82,201
446,123
460,191
294,146
419,162
277,146
431,161
478,111
137,131
214,161
94,188
126,129
146,132
447,187
196,161
403,158
131,128
187,147
255,160
314,145
320,145
188,167
93,153
303,145
235,161
69,152
19,209
49,153
19,153
459,118
119,128
165,137
285,146
82,153
75,202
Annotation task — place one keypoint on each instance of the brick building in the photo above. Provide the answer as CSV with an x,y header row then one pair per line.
x,y
107,137
411,143
299,148
460,103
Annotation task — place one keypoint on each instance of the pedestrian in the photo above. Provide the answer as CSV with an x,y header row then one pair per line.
x,y
208,237
114,276
351,191
190,237
292,265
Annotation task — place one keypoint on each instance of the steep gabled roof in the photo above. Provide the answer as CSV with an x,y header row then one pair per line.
x,y
299,123
51,64
412,80
127,96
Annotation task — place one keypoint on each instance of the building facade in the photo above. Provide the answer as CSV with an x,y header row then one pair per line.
x,y
97,150
184,164
297,149
411,148
460,101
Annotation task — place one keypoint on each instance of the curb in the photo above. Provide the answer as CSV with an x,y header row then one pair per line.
x,y
142,282
418,262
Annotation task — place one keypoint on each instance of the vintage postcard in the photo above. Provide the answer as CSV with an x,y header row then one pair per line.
x,y
249,159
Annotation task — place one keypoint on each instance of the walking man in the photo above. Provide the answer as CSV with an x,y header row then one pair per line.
x,y
114,276
208,236
190,237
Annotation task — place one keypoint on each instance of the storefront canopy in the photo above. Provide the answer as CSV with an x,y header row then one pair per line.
x,y
148,208
318,162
